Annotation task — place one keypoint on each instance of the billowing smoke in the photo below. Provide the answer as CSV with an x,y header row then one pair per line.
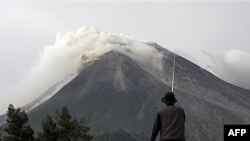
x,y
232,66
72,52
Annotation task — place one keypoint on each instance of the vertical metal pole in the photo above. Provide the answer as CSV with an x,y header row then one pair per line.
x,y
173,75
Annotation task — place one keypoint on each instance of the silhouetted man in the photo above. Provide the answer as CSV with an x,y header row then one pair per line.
x,y
170,121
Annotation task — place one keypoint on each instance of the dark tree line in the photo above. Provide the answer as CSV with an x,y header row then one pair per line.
x,y
60,128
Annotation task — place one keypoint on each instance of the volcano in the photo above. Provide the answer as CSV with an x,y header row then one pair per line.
x,y
118,83
116,92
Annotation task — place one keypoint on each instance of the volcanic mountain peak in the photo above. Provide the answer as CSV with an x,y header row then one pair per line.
x,y
122,89
112,88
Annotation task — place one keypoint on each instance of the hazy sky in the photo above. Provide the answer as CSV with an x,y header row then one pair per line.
x,y
214,34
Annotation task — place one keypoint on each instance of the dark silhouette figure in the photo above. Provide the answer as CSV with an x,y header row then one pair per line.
x,y
170,121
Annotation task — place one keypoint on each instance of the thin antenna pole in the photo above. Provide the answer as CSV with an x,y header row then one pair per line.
x,y
173,75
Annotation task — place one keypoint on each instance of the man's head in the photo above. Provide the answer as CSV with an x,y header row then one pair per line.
x,y
169,99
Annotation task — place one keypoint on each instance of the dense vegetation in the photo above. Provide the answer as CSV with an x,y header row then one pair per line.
x,y
60,128
17,128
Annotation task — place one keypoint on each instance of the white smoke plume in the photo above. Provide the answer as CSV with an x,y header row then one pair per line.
x,y
232,66
72,52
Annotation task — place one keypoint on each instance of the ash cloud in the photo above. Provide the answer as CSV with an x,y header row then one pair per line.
x,y
232,66
72,52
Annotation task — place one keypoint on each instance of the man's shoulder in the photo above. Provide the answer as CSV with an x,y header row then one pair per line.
x,y
179,108
169,108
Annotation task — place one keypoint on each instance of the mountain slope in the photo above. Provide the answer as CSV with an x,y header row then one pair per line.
x,y
119,135
115,92
113,89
